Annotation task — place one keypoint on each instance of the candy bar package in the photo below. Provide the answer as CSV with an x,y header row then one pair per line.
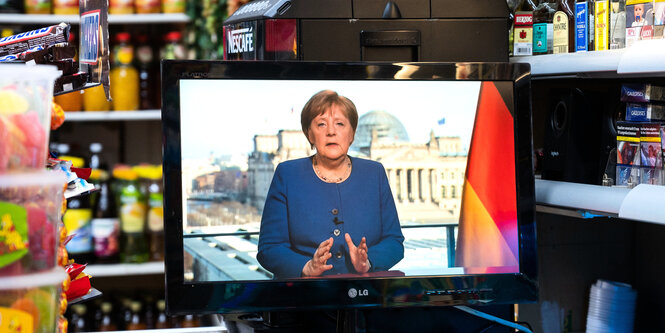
x,y
43,37
94,43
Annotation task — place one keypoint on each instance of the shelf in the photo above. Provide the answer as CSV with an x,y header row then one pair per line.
x,y
125,269
74,19
642,203
643,59
113,115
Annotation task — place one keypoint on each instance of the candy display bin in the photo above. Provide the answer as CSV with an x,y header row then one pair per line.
x,y
31,302
30,210
26,94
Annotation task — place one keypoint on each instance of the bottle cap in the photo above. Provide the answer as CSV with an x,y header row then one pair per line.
x,y
123,37
96,147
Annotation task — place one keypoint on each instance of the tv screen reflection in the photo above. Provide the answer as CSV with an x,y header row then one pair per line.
x,y
374,180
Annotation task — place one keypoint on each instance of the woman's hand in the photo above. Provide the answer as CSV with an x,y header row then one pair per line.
x,y
317,265
358,254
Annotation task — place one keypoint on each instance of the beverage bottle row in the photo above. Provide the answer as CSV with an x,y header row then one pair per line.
x,y
566,26
134,76
125,314
122,221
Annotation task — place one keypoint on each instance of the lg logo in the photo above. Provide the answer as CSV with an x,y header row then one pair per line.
x,y
362,292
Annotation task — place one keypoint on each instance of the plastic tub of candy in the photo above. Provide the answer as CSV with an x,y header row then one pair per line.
x,y
26,96
30,207
31,301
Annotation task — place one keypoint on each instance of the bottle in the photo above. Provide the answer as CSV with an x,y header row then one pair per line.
x,y
591,5
173,48
162,320
149,312
132,213
155,213
136,321
563,27
148,82
121,6
105,223
543,16
523,29
124,76
581,26
190,321
38,6
94,99
148,6
173,6
107,323
602,25
65,7
78,322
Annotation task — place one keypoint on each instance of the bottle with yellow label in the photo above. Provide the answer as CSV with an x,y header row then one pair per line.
x,y
124,76
563,27
77,220
132,212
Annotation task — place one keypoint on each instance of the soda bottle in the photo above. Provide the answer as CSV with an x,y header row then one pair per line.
x,y
563,27
78,322
124,76
155,213
77,220
132,213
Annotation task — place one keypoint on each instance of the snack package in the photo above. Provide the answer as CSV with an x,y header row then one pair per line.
x,y
94,44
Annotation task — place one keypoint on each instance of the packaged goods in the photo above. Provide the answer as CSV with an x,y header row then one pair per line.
x,y
30,206
642,93
645,112
31,302
65,7
628,153
38,6
27,40
121,6
26,95
173,6
148,6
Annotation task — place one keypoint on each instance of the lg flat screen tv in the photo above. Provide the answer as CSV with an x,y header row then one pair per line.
x,y
438,186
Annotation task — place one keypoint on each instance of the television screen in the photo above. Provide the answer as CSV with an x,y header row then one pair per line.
x,y
350,184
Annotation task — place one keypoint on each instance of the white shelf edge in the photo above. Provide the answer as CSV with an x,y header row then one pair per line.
x,y
80,116
642,203
75,19
148,268
643,58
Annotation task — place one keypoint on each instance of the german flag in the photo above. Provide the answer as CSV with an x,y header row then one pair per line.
x,y
487,238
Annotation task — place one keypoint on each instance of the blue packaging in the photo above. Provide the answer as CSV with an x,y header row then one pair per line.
x,y
644,112
581,27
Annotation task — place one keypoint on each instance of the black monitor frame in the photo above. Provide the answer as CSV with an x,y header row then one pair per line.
x,y
253,296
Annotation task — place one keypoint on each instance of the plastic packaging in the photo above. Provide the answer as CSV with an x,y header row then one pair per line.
x,y
30,206
26,94
31,301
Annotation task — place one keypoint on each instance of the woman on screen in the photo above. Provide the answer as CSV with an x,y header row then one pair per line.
x,y
329,213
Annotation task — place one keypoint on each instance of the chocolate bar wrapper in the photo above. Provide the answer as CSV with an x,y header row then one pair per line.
x,y
68,83
24,41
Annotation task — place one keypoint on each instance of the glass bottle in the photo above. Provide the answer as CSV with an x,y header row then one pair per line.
x,y
124,76
107,323
136,321
78,322
602,24
132,213
190,321
77,219
173,47
523,28
155,213
563,27
162,320
94,99
147,73
543,16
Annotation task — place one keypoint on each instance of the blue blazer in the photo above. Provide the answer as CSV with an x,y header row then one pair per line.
x,y
301,211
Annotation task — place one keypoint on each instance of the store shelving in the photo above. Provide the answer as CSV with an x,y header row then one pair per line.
x,y
113,115
643,59
111,270
113,19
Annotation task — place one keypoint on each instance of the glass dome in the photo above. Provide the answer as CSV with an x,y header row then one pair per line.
x,y
387,127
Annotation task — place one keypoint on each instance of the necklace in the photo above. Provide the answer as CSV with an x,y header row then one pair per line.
x,y
346,174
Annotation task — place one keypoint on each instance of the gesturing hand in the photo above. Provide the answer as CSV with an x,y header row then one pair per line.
x,y
317,265
358,254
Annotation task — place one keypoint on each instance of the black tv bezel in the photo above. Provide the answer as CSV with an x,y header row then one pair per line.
x,y
254,296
